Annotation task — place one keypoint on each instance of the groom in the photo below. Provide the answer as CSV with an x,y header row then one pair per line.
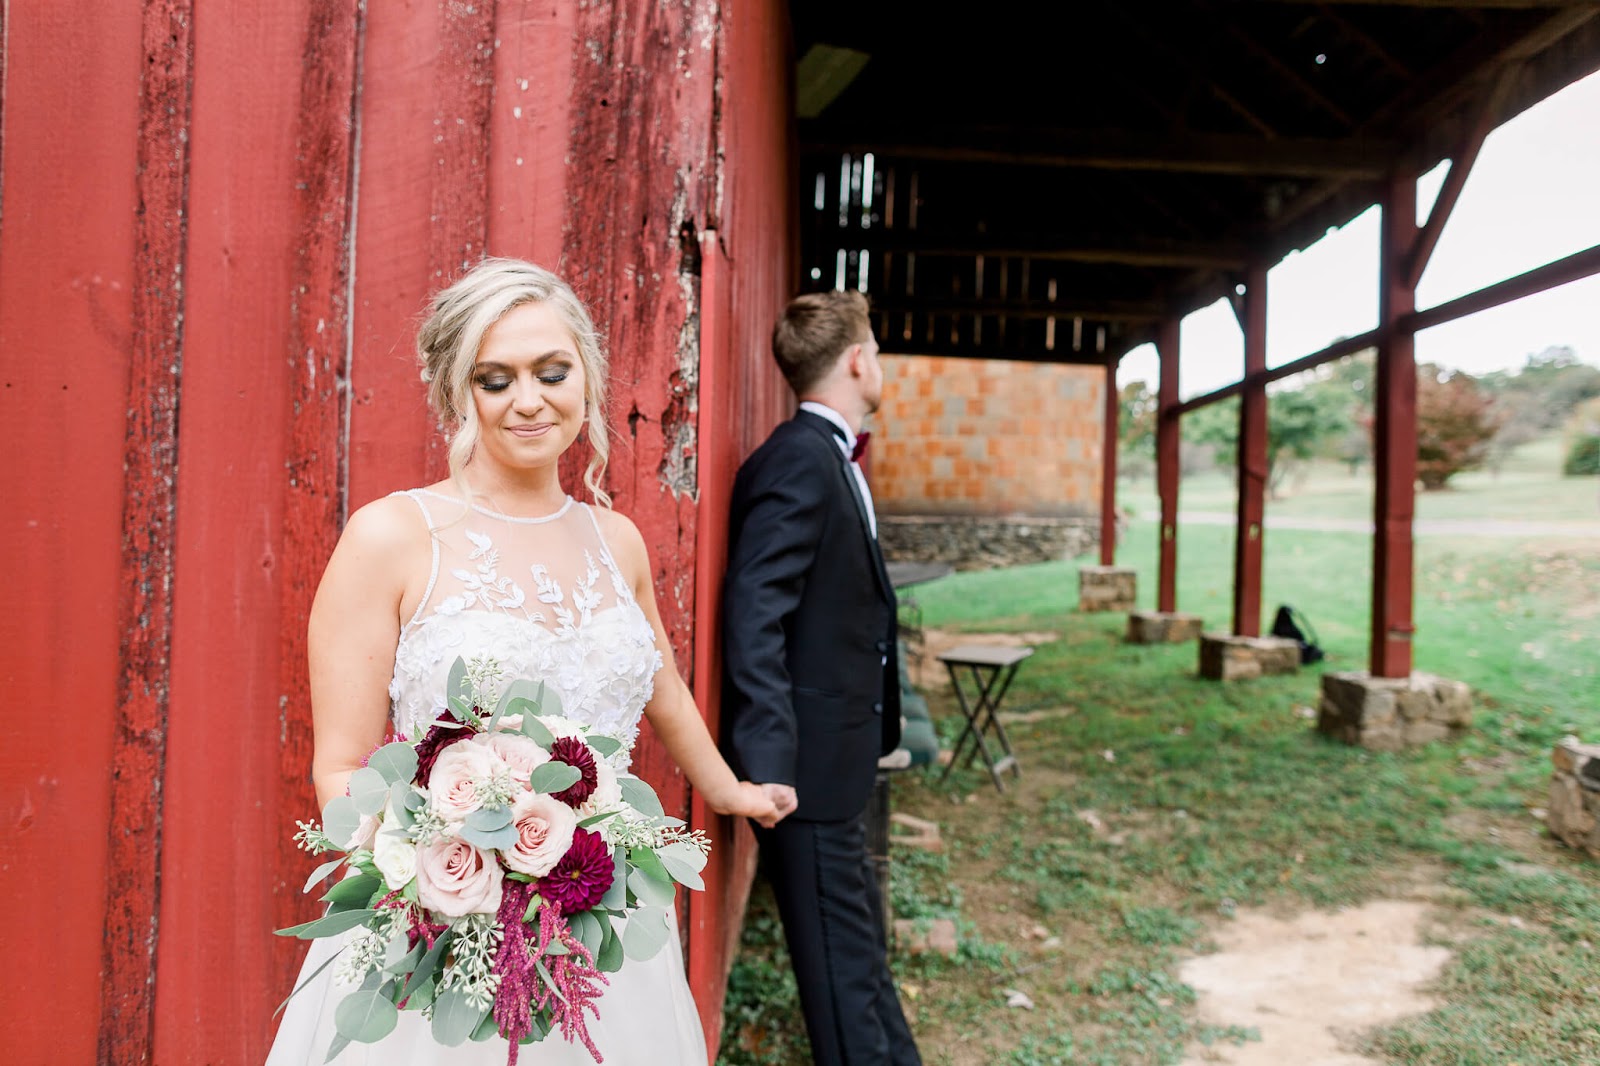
x,y
812,697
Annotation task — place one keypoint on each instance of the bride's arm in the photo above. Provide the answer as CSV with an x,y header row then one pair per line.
x,y
354,629
671,710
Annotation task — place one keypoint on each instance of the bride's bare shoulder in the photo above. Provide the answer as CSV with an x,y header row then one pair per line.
x,y
389,523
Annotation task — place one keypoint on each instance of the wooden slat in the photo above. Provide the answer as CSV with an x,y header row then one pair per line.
x,y
1168,463
1181,152
1252,462
150,458
1140,252
1108,467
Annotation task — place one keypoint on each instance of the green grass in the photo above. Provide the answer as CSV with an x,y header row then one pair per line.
x,y
1208,798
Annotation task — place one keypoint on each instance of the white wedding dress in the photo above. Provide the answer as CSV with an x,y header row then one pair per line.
x,y
544,598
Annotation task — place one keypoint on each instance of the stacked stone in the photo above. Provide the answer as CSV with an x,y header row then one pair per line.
x,y
975,542
1106,588
1157,627
1574,816
1229,658
1389,714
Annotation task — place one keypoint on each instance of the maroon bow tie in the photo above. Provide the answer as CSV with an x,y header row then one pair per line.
x,y
862,439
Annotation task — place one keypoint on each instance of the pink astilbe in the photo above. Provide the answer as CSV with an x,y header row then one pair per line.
x,y
514,964
575,982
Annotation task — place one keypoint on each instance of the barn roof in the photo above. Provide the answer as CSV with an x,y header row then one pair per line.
x,y
1035,181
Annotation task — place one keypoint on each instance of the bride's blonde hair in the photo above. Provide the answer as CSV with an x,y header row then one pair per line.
x,y
449,340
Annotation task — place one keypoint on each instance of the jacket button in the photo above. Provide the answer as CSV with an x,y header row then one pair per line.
x,y
883,647
877,708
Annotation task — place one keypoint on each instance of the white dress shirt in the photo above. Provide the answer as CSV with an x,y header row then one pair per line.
x,y
847,445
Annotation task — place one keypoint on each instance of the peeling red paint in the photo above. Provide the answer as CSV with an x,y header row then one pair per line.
x,y
150,460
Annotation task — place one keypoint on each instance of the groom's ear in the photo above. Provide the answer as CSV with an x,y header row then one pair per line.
x,y
855,357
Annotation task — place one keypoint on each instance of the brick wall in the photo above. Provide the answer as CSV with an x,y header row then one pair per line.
x,y
987,437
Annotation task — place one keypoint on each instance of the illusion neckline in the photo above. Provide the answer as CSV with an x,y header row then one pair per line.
x,y
501,515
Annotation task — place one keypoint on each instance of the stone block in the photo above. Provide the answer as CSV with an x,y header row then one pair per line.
x,y
1106,588
1224,657
1390,714
1157,627
1574,814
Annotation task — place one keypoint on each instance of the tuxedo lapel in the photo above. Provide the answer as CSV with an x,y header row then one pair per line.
x,y
827,430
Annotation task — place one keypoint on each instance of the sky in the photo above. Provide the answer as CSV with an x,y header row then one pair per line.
x,y
1532,197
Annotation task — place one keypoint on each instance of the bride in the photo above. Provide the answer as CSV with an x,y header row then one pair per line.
x,y
499,561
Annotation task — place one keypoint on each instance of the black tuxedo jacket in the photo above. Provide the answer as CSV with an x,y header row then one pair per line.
x,y
811,696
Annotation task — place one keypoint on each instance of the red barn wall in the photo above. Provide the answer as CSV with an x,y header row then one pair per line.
x,y
219,225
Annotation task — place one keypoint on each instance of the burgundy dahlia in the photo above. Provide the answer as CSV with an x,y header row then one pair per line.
x,y
582,876
576,754
443,733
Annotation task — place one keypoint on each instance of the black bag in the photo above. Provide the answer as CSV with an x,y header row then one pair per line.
x,y
1292,625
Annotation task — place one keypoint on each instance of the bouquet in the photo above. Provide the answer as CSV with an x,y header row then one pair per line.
x,y
485,865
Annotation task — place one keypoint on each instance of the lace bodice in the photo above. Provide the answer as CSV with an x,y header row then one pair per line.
x,y
541,596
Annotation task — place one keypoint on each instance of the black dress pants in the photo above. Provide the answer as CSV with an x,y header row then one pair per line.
x,y
833,923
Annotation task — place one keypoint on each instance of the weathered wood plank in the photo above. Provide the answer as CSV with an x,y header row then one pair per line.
x,y
150,459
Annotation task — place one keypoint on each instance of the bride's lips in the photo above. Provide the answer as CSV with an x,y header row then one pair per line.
x,y
531,431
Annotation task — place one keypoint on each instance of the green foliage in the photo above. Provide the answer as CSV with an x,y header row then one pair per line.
x,y
1583,442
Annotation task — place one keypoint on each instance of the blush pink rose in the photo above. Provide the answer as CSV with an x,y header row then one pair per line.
x,y
522,755
450,787
456,879
544,827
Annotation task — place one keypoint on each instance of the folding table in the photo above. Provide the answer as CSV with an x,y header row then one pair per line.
x,y
991,670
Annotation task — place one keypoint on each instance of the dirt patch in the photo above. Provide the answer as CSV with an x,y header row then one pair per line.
x,y
1310,982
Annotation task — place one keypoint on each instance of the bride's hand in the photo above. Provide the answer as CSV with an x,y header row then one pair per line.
x,y
751,801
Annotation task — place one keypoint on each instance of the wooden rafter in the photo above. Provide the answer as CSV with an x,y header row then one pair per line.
x,y
1097,310
1217,255
1194,153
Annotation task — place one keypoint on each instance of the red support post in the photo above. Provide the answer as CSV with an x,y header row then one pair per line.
x,y
1252,460
1395,436
1167,464
1108,468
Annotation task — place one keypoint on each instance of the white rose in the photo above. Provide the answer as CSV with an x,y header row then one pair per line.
x,y
607,794
450,788
561,727
522,755
544,828
394,855
363,834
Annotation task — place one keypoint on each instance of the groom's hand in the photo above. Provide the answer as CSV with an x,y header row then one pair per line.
x,y
783,797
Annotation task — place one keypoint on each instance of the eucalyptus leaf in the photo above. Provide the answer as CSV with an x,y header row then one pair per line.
x,y
338,1045
400,814
645,933
647,860
456,688
368,790
401,960
596,819
329,925
586,927
650,891
609,960
522,692
550,704
550,982
454,1017
605,745
557,948
486,1028
553,777
321,873
536,730
504,837
429,964
684,862
616,896
415,801
397,762
488,819
358,888
365,1017
640,796
308,980
340,820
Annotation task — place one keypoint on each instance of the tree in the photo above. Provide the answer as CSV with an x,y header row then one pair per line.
x,y
1299,423
1456,420
1538,397
1136,430
1583,442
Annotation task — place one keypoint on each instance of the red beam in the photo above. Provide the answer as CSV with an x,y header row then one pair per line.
x,y
1563,271
1465,155
1168,464
1337,350
1108,469
1252,448
150,459
1395,442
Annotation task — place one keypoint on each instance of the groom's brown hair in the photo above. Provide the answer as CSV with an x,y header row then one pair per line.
x,y
814,331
